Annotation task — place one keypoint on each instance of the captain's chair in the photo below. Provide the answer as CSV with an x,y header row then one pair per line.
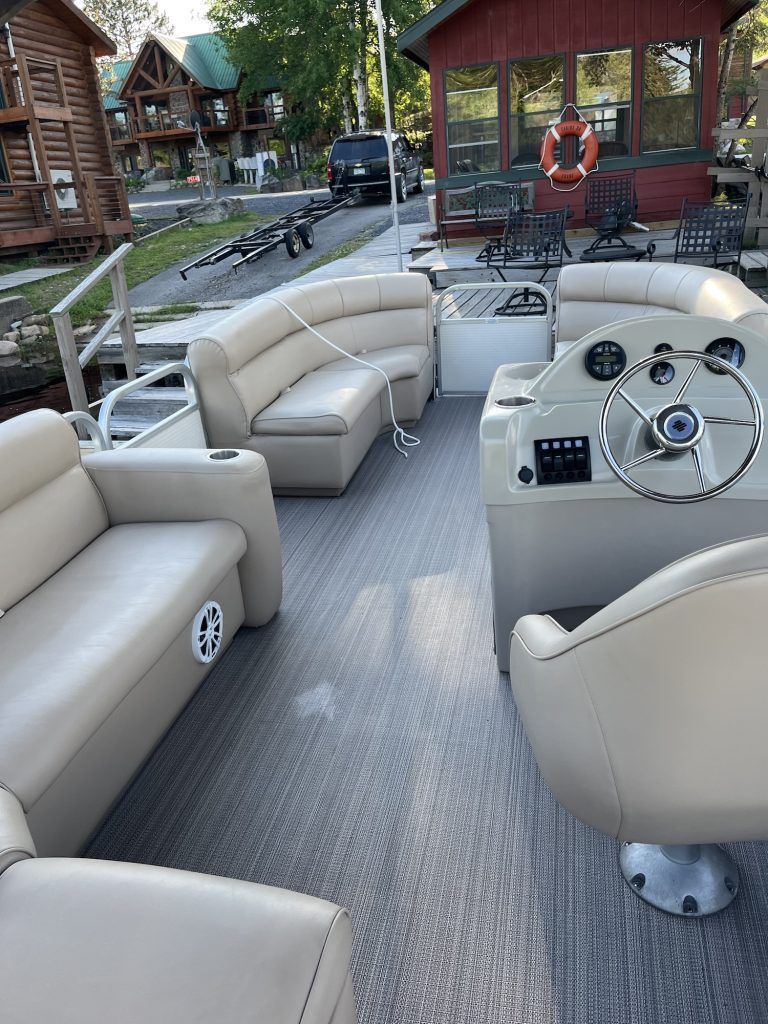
x,y
648,721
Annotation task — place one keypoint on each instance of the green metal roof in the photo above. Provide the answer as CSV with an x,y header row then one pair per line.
x,y
112,78
204,58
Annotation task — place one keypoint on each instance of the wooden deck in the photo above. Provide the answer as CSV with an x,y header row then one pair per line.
x,y
458,264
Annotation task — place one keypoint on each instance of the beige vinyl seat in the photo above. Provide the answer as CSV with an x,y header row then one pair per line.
x,y
590,296
88,941
648,720
107,562
270,385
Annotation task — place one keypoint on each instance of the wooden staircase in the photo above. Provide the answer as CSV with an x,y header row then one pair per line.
x,y
74,249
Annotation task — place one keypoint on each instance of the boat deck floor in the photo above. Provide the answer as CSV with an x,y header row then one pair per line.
x,y
364,748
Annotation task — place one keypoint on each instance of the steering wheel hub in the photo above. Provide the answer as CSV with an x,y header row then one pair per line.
x,y
678,427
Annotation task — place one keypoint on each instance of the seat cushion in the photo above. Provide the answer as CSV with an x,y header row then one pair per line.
x,y
76,646
399,362
88,941
322,402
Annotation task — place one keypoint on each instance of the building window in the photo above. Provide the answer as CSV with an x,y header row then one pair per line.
x,y
671,90
536,98
472,115
604,95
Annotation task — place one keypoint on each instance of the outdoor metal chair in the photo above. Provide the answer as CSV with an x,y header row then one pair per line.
x,y
711,232
609,209
531,241
495,202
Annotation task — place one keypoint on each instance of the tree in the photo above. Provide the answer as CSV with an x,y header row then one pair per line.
x,y
324,57
128,22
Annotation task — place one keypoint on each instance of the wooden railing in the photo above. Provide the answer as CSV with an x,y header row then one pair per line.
x,y
262,117
107,200
28,81
165,122
27,206
121,132
72,362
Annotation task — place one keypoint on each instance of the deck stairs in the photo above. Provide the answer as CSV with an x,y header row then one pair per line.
x,y
72,250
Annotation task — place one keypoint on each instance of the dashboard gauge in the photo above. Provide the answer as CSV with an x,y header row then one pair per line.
x,y
605,360
729,349
663,347
662,373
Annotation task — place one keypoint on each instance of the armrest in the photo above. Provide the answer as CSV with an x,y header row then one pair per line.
x,y
162,485
15,839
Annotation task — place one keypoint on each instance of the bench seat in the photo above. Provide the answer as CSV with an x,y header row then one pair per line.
x,y
88,941
399,362
328,402
101,611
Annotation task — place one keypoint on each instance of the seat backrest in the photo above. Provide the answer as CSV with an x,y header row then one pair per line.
x,y
49,507
260,349
606,192
590,296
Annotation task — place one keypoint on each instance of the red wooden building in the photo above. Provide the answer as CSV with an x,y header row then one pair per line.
x,y
643,72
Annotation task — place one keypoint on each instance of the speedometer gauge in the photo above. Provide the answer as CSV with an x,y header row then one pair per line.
x,y
729,349
605,360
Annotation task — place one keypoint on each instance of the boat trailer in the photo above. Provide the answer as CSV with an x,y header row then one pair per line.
x,y
291,230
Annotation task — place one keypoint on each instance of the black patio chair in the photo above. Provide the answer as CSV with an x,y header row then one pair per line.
x,y
531,241
609,208
495,202
710,232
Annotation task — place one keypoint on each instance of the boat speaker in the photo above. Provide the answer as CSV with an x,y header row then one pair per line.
x,y
207,632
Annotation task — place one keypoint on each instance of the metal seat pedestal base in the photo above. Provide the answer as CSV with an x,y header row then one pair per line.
x,y
692,881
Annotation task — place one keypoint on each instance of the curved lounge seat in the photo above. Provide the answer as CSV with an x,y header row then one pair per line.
x,y
594,295
269,385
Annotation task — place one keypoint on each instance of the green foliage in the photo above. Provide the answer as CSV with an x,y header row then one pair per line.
x,y
128,22
310,47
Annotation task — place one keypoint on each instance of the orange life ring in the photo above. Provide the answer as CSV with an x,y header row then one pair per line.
x,y
568,175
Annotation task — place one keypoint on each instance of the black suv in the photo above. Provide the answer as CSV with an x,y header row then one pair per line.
x,y
360,161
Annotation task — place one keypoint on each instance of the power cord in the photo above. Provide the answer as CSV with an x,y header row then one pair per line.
x,y
399,436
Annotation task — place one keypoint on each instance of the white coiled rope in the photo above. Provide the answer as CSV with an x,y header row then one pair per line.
x,y
399,436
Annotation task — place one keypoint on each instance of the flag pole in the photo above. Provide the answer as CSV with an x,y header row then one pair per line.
x,y
388,125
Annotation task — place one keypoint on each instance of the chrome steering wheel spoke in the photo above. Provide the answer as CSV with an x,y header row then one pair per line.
x,y
679,428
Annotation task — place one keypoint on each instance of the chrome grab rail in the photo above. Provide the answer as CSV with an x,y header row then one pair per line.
x,y
109,403
92,427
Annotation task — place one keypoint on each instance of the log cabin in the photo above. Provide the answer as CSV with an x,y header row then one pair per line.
x,y
642,72
149,102
59,192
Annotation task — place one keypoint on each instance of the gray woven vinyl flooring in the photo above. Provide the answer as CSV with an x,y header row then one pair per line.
x,y
363,748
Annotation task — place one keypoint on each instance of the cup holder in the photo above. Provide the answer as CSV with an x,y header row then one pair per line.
x,y
223,453
514,401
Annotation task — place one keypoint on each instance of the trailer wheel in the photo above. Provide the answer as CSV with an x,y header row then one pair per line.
x,y
306,234
292,242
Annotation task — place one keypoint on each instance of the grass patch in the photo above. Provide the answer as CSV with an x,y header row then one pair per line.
x,y
429,173
342,250
145,261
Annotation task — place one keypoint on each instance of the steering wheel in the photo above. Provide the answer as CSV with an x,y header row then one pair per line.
x,y
679,427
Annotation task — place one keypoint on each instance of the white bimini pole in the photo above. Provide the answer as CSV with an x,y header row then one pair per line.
x,y
388,125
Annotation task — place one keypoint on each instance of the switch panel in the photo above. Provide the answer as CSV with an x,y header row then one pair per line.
x,y
563,460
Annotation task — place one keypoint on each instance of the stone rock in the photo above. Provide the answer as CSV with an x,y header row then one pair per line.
x,y
36,318
13,336
85,331
8,348
31,332
293,184
12,308
269,183
211,211
312,181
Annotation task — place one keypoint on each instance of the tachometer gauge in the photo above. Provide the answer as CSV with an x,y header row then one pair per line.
x,y
729,349
662,373
605,360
